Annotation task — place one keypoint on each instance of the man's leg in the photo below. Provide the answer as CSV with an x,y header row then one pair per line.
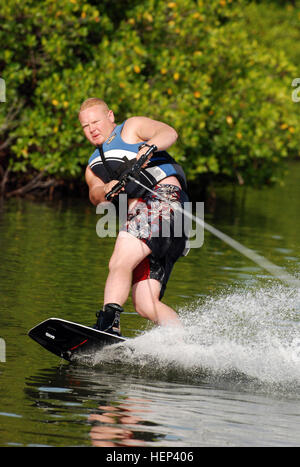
x,y
145,295
128,253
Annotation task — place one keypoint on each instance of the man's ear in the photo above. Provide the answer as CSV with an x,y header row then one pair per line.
x,y
111,116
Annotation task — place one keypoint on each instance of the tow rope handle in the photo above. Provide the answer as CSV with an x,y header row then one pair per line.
x,y
133,172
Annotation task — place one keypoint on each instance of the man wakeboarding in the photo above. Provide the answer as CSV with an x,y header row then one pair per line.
x,y
143,255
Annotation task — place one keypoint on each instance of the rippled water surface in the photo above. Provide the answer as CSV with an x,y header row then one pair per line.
x,y
231,377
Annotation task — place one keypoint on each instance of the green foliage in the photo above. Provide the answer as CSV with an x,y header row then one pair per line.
x,y
194,64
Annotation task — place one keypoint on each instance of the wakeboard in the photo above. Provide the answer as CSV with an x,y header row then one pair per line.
x,y
67,339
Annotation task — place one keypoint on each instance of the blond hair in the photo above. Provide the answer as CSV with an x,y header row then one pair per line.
x,y
91,102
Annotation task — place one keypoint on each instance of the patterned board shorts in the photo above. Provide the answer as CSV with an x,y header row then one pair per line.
x,y
161,227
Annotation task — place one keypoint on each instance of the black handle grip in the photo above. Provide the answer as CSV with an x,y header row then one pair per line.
x,y
133,172
138,165
115,189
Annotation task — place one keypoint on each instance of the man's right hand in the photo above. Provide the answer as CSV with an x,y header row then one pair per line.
x,y
97,188
109,186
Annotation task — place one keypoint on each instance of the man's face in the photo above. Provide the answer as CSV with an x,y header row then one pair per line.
x,y
97,123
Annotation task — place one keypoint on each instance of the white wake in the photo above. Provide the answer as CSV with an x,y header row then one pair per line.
x,y
252,334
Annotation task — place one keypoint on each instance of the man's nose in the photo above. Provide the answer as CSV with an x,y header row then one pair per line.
x,y
92,127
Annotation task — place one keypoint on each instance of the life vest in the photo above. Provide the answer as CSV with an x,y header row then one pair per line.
x,y
115,157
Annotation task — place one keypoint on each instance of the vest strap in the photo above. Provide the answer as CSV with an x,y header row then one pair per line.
x,y
106,165
121,170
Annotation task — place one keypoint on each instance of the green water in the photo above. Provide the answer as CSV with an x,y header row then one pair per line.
x,y
54,264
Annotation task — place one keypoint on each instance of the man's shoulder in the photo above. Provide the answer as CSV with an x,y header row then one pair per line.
x,y
131,128
136,124
136,120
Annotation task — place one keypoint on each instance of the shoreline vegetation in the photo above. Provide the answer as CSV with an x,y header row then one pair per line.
x,y
220,72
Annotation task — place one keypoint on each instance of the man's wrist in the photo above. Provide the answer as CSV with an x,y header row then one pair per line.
x,y
147,145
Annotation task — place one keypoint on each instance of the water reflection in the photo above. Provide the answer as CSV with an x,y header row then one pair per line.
x,y
107,425
96,400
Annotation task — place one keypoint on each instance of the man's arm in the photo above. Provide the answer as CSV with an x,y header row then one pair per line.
x,y
97,188
154,132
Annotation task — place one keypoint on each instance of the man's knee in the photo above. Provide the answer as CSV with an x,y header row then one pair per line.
x,y
115,263
119,262
147,307
141,308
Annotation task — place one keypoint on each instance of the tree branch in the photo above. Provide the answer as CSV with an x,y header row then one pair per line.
x,y
35,183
